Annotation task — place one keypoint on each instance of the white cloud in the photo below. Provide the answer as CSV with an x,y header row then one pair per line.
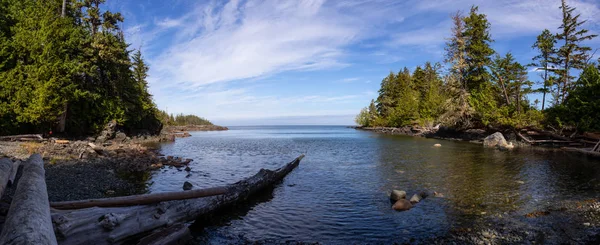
x,y
215,45
241,41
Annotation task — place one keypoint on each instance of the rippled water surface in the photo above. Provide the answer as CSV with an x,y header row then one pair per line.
x,y
339,193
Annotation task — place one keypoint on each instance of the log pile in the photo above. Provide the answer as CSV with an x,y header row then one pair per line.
x,y
116,225
158,218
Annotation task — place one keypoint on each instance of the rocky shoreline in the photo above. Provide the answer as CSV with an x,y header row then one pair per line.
x,y
111,164
477,136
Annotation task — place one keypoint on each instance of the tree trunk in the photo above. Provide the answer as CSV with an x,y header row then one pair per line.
x,y
118,224
62,121
28,220
64,8
140,199
545,82
5,171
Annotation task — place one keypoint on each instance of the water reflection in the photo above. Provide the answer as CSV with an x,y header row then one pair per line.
x,y
339,192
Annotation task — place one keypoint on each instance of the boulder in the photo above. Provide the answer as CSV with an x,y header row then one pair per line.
x,y
402,205
108,132
120,136
187,186
397,195
508,146
495,140
415,198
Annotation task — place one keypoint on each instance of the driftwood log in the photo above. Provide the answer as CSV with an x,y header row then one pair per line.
x,y
13,172
139,199
22,137
175,234
28,220
117,225
5,171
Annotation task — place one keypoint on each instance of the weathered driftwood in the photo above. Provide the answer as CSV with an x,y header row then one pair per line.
x,y
139,199
22,137
597,147
116,225
28,220
5,170
13,172
175,234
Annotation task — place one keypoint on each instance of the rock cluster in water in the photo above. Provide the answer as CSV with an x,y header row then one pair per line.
x,y
400,202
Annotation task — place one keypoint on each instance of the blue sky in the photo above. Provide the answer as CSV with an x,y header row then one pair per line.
x,y
308,61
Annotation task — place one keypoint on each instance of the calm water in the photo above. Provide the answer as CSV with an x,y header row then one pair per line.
x,y
339,193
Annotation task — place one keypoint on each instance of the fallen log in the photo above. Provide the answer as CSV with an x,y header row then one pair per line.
x,y
175,234
28,220
116,225
140,199
524,138
5,171
597,147
13,173
22,136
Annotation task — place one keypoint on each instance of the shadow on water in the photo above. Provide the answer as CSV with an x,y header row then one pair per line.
x,y
202,229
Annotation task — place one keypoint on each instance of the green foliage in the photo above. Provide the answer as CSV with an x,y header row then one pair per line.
x,y
571,55
73,70
581,108
477,48
546,57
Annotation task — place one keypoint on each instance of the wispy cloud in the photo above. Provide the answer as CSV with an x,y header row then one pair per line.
x,y
212,57
251,39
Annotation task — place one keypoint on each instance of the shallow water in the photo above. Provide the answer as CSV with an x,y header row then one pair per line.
x,y
339,193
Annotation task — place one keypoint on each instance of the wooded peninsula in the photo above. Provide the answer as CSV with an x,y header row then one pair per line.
x,y
66,67
481,88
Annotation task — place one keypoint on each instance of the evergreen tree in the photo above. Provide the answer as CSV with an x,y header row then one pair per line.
x,y
545,59
456,51
477,48
571,54
581,108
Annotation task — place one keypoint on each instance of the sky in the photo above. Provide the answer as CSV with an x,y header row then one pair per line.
x,y
277,62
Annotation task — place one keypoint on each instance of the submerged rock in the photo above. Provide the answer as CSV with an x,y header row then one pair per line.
x,y
187,186
415,198
397,195
402,205
495,140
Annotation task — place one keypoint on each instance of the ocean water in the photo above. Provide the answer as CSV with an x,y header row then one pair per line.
x,y
340,192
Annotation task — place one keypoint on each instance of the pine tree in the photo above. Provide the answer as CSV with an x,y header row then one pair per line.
x,y
455,51
545,59
477,48
571,54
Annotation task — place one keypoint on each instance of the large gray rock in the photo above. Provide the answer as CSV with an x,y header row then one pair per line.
x,y
397,195
402,205
495,140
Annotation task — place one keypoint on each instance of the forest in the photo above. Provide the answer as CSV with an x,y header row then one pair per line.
x,y
181,119
66,67
478,87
